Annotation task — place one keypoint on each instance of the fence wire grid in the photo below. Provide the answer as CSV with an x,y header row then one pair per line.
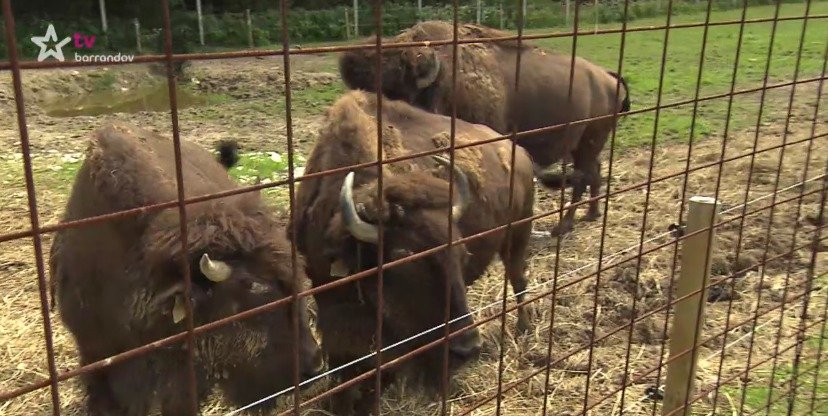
x,y
662,303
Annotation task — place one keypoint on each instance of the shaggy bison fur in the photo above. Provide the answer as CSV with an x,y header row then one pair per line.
x,y
338,216
119,284
485,93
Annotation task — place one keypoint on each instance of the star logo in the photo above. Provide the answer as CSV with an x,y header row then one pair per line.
x,y
45,50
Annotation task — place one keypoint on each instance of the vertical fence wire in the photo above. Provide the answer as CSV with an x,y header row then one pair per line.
x,y
558,238
182,209
380,366
444,379
294,261
788,261
725,134
746,380
31,196
643,222
813,257
816,242
653,144
509,230
380,213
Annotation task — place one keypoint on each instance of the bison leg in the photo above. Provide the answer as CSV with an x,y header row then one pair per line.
x,y
578,188
175,396
514,263
123,389
594,179
357,400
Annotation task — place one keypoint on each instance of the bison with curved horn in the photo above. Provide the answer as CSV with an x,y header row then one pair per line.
x,y
119,284
486,94
337,227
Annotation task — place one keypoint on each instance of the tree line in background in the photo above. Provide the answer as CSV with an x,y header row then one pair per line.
x,y
226,25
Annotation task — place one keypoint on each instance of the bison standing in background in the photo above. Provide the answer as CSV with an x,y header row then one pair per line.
x,y
119,284
336,226
486,94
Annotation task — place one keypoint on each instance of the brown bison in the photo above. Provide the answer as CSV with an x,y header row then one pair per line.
x,y
119,284
486,94
336,225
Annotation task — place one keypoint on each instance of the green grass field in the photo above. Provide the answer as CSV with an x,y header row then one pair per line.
x,y
642,68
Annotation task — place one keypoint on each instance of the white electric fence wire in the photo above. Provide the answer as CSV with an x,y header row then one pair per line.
x,y
608,261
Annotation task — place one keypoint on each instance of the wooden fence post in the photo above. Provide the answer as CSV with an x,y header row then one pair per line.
x,y
249,22
137,25
501,14
479,11
688,319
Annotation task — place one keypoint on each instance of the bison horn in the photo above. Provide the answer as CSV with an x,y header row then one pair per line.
x,y
426,80
217,271
360,229
462,189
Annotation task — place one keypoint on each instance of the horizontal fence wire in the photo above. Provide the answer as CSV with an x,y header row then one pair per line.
x,y
264,308
540,291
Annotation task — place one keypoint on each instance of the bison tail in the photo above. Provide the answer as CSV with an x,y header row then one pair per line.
x,y
228,153
625,105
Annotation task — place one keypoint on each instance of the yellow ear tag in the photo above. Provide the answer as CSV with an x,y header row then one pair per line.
x,y
179,310
339,269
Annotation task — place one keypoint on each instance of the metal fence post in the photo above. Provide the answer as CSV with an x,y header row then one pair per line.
x,y
137,34
249,23
688,320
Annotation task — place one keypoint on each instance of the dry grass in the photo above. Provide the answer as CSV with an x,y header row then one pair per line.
x,y
23,353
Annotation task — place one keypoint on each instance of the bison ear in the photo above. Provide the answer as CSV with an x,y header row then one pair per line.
x,y
427,68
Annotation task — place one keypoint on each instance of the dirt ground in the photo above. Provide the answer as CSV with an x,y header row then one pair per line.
x,y
627,289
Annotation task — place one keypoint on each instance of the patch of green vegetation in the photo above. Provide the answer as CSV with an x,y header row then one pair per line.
x,y
642,68
758,395
102,81
266,167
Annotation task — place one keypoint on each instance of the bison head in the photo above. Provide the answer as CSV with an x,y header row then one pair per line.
x,y
408,74
235,264
415,219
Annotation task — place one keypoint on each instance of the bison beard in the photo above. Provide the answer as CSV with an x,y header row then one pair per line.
x,y
119,284
485,93
336,227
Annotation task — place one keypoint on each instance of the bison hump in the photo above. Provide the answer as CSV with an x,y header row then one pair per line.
x,y
133,167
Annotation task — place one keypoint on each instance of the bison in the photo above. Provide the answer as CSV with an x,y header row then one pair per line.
x,y
119,284
486,95
336,227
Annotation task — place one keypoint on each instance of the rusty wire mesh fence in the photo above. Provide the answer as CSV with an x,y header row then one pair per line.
x,y
698,286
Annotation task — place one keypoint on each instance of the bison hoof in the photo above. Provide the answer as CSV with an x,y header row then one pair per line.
x,y
523,326
561,229
592,215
